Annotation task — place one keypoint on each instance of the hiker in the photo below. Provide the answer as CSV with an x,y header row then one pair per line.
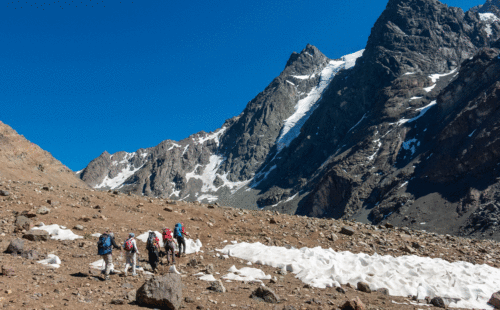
x,y
169,242
153,247
105,249
179,234
131,253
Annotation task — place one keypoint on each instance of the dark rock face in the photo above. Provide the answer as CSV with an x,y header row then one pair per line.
x,y
406,133
164,292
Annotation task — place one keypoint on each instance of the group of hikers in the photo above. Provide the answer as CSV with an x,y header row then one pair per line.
x,y
107,242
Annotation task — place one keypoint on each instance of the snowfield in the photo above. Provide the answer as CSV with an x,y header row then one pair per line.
x,y
402,276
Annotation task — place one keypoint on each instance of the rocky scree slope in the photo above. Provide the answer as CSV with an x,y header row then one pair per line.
x,y
23,160
360,130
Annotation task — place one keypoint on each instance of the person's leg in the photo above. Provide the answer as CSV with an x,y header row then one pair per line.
x,y
127,263
183,245
134,262
108,261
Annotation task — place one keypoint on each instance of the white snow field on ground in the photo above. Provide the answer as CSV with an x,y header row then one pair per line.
x,y
192,246
305,107
246,274
51,261
402,276
57,232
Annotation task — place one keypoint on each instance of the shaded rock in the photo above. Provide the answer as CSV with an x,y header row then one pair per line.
x,y
289,307
168,209
37,235
29,214
164,292
23,223
16,246
347,231
495,300
217,286
438,302
118,301
265,294
79,227
31,254
340,290
333,237
8,271
383,291
189,300
364,287
273,221
210,269
131,295
354,304
4,193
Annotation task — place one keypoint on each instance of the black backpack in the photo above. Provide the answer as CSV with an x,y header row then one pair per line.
x,y
150,244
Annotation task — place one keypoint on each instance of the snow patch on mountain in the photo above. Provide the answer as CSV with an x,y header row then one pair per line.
x,y
488,17
117,181
305,107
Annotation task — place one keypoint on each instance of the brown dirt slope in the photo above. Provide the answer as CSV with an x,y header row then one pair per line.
x,y
23,160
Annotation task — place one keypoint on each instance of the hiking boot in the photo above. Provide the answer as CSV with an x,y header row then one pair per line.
x,y
106,278
134,275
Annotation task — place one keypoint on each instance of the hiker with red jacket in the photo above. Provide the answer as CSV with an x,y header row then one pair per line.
x,y
131,252
105,249
169,242
179,234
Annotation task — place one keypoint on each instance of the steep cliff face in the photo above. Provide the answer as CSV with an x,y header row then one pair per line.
x,y
376,135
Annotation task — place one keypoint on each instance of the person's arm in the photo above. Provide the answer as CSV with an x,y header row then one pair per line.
x,y
135,246
113,243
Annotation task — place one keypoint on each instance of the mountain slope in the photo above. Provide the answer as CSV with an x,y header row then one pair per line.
x,y
347,138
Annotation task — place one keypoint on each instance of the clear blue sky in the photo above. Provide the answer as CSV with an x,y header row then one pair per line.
x,y
81,77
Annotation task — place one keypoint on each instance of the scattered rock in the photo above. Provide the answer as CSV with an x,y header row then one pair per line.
x,y
23,223
354,304
495,300
273,221
164,292
210,269
217,286
347,231
438,302
333,237
78,227
31,254
364,287
340,290
43,210
4,193
383,291
192,262
29,214
118,301
289,307
15,247
8,271
168,209
389,225
265,294
189,300
37,235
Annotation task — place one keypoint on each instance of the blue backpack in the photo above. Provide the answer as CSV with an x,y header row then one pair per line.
x,y
178,230
104,245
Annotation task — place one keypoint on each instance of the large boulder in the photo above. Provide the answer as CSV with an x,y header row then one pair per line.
x,y
164,292
37,235
16,246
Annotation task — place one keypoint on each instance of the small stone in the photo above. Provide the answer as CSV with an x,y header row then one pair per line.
x,y
37,235
168,209
43,210
8,271
217,286
333,237
383,291
16,246
273,221
389,225
210,269
189,300
79,227
265,294
4,193
118,301
347,231
340,290
355,304
438,302
364,287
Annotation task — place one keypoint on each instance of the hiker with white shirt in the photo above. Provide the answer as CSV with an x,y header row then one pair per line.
x,y
131,253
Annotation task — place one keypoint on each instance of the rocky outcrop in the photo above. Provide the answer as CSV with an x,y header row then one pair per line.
x,y
164,292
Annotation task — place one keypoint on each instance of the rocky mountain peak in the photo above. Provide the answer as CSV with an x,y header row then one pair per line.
x,y
490,6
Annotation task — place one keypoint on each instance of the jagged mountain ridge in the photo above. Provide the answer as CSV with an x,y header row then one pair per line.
x,y
354,150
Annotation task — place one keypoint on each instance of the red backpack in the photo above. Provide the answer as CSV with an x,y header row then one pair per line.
x,y
167,234
128,246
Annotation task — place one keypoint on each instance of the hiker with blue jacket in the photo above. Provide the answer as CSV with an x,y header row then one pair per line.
x,y
105,249
179,234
